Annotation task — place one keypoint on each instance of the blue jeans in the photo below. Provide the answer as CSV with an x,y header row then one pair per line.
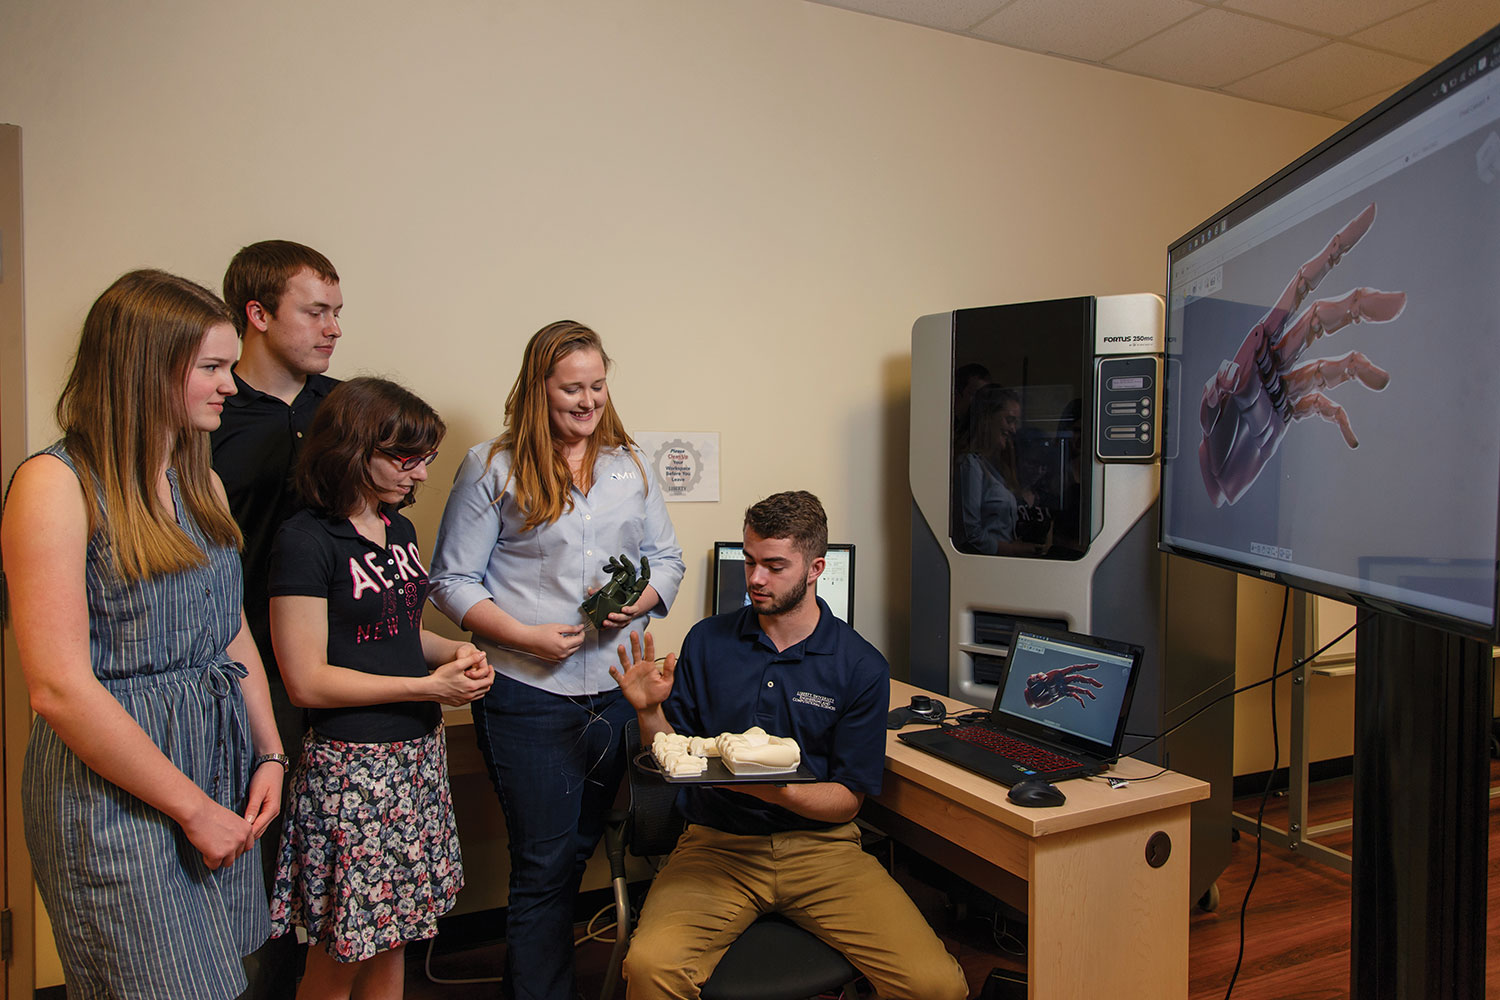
x,y
556,761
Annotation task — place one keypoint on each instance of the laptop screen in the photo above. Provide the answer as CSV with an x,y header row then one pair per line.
x,y
1069,688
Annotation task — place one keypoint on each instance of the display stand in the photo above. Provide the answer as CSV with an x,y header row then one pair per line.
x,y
1301,836
1421,812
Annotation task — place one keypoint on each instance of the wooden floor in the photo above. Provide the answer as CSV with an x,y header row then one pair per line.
x,y
1296,927
1297,924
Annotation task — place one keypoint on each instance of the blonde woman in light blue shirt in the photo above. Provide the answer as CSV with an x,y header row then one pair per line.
x,y
533,517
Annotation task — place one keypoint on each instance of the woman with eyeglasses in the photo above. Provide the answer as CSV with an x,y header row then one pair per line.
x,y
369,856
534,517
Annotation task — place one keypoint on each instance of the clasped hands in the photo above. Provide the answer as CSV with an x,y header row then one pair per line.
x,y
464,678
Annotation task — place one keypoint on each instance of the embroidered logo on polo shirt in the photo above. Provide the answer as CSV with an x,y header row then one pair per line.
x,y
622,475
815,700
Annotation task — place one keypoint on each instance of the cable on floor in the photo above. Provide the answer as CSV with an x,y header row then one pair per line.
x,y
590,933
1265,796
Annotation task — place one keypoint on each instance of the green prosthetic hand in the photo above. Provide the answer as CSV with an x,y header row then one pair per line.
x,y
623,589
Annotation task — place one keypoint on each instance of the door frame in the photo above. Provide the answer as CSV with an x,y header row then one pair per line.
x,y
19,979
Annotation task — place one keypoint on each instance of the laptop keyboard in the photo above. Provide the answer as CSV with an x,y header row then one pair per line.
x,y
1021,753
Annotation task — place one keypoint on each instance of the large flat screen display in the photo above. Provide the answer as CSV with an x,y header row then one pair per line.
x,y
1333,352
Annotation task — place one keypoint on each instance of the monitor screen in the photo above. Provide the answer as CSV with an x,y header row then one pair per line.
x,y
1071,685
1331,337
835,586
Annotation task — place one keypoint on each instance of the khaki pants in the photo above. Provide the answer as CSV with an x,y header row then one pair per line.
x,y
715,885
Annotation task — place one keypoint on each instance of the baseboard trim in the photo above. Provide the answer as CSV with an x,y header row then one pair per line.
x,y
1320,770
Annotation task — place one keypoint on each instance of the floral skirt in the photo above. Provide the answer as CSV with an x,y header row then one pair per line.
x,y
369,854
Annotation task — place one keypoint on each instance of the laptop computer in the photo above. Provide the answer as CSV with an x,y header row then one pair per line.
x,y
1059,712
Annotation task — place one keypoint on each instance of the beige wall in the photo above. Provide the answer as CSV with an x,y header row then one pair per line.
x,y
1329,700
752,200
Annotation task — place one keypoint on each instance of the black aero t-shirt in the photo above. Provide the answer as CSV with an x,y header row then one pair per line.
x,y
375,596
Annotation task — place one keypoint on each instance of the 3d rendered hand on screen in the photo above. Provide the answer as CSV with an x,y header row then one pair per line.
x,y
1042,689
1252,399
622,590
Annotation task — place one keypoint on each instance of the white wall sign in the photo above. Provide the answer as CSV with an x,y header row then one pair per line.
x,y
685,464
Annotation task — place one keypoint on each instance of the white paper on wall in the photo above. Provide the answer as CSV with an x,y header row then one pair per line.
x,y
685,463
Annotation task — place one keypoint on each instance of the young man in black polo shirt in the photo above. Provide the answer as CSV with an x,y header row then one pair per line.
x,y
286,302
786,664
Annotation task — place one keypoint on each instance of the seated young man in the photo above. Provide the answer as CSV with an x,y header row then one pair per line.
x,y
786,664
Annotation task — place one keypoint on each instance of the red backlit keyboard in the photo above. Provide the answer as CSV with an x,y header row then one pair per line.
x,y
1014,750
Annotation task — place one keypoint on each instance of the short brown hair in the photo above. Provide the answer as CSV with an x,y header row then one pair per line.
x,y
260,271
796,515
359,418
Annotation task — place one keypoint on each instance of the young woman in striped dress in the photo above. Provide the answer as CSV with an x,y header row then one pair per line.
x,y
154,762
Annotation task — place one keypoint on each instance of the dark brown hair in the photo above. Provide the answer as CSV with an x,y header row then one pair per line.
x,y
260,271
796,515
359,418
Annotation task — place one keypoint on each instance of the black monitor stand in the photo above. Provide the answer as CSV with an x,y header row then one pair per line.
x,y
1422,708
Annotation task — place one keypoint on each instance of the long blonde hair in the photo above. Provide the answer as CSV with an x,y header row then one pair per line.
x,y
123,418
539,475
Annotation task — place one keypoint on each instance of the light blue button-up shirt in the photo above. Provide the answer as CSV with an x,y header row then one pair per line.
x,y
542,575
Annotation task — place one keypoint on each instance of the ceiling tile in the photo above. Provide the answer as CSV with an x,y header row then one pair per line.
x,y
1331,17
1329,78
1333,57
946,15
1213,48
1434,31
1083,29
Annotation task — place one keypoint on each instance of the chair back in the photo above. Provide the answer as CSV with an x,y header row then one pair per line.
x,y
654,824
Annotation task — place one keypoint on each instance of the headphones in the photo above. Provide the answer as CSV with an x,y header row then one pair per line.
x,y
921,709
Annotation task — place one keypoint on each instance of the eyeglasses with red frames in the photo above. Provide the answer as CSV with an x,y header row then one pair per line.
x,y
409,462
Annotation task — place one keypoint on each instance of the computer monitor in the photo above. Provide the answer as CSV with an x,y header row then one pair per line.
x,y
1333,339
835,586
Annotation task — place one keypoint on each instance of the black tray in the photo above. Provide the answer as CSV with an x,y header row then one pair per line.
x,y
718,774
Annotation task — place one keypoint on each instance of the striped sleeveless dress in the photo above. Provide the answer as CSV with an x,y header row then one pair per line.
x,y
135,911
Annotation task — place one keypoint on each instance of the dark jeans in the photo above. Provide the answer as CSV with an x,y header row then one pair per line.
x,y
556,762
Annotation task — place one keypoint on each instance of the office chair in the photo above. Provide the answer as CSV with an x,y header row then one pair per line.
x,y
773,959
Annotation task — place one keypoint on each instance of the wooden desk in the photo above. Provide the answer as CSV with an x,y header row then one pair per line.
x,y
1102,921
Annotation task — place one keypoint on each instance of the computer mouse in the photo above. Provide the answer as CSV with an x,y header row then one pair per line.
x,y
1036,793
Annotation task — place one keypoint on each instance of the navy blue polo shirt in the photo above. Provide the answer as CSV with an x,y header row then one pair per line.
x,y
830,692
